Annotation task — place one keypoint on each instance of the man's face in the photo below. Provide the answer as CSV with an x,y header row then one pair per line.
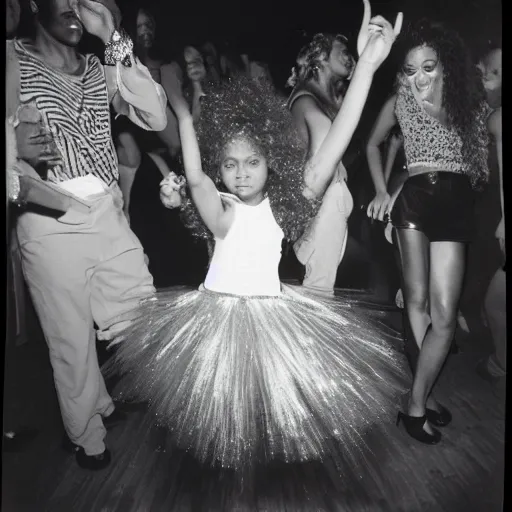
x,y
60,21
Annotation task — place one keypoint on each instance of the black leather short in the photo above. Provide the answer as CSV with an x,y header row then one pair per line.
x,y
439,204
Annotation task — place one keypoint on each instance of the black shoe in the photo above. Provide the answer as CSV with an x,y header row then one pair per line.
x,y
414,427
441,418
109,422
93,462
14,442
114,419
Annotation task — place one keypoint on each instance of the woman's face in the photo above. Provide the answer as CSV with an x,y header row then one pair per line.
x,y
244,171
145,30
340,60
424,72
196,70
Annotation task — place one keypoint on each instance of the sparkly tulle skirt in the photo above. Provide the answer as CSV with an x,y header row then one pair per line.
x,y
237,381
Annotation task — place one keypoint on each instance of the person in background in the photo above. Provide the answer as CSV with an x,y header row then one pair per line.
x,y
230,60
196,79
84,267
212,60
494,368
319,80
145,160
484,254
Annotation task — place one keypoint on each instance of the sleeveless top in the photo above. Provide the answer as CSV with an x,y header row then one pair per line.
x,y
298,92
246,261
427,142
75,108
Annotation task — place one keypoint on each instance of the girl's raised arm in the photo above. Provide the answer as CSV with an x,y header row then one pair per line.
x,y
202,189
376,37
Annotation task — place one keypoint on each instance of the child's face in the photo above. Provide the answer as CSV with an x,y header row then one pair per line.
x,y
244,171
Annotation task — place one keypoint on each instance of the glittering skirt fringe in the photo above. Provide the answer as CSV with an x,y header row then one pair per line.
x,y
243,380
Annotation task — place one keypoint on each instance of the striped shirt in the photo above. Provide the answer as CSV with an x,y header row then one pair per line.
x,y
75,108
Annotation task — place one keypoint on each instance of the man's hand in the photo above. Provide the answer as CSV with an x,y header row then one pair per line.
x,y
99,17
36,146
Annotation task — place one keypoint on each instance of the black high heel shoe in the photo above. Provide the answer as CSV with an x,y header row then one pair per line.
x,y
414,427
441,418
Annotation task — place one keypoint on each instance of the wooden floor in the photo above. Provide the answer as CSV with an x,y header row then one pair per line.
x,y
464,473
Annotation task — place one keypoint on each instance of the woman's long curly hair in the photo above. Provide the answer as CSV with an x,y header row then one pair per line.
x,y
463,91
251,110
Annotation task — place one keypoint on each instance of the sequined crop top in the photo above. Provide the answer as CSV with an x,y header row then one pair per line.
x,y
427,142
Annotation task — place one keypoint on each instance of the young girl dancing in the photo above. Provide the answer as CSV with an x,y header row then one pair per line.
x,y
247,369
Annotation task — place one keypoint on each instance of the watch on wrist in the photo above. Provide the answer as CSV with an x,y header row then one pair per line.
x,y
119,49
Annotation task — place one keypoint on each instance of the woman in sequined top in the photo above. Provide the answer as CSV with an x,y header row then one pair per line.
x,y
440,107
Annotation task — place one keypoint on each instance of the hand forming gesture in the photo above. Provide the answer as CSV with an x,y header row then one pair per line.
x,y
376,37
170,190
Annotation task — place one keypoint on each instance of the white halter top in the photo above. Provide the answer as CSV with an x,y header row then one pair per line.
x,y
246,261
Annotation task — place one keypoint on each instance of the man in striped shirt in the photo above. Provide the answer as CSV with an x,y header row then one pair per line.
x,y
85,266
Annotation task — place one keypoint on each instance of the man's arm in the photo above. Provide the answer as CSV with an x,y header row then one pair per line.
x,y
131,88
135,94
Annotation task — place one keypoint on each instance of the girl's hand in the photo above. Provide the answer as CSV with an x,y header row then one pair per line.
x,y
99,17
170,190
382,205
376,37
379,206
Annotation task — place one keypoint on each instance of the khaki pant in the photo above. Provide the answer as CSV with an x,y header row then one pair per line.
x,y
82,269
323,244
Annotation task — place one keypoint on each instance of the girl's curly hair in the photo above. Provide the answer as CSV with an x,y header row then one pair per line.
x,y
463,91
251,109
